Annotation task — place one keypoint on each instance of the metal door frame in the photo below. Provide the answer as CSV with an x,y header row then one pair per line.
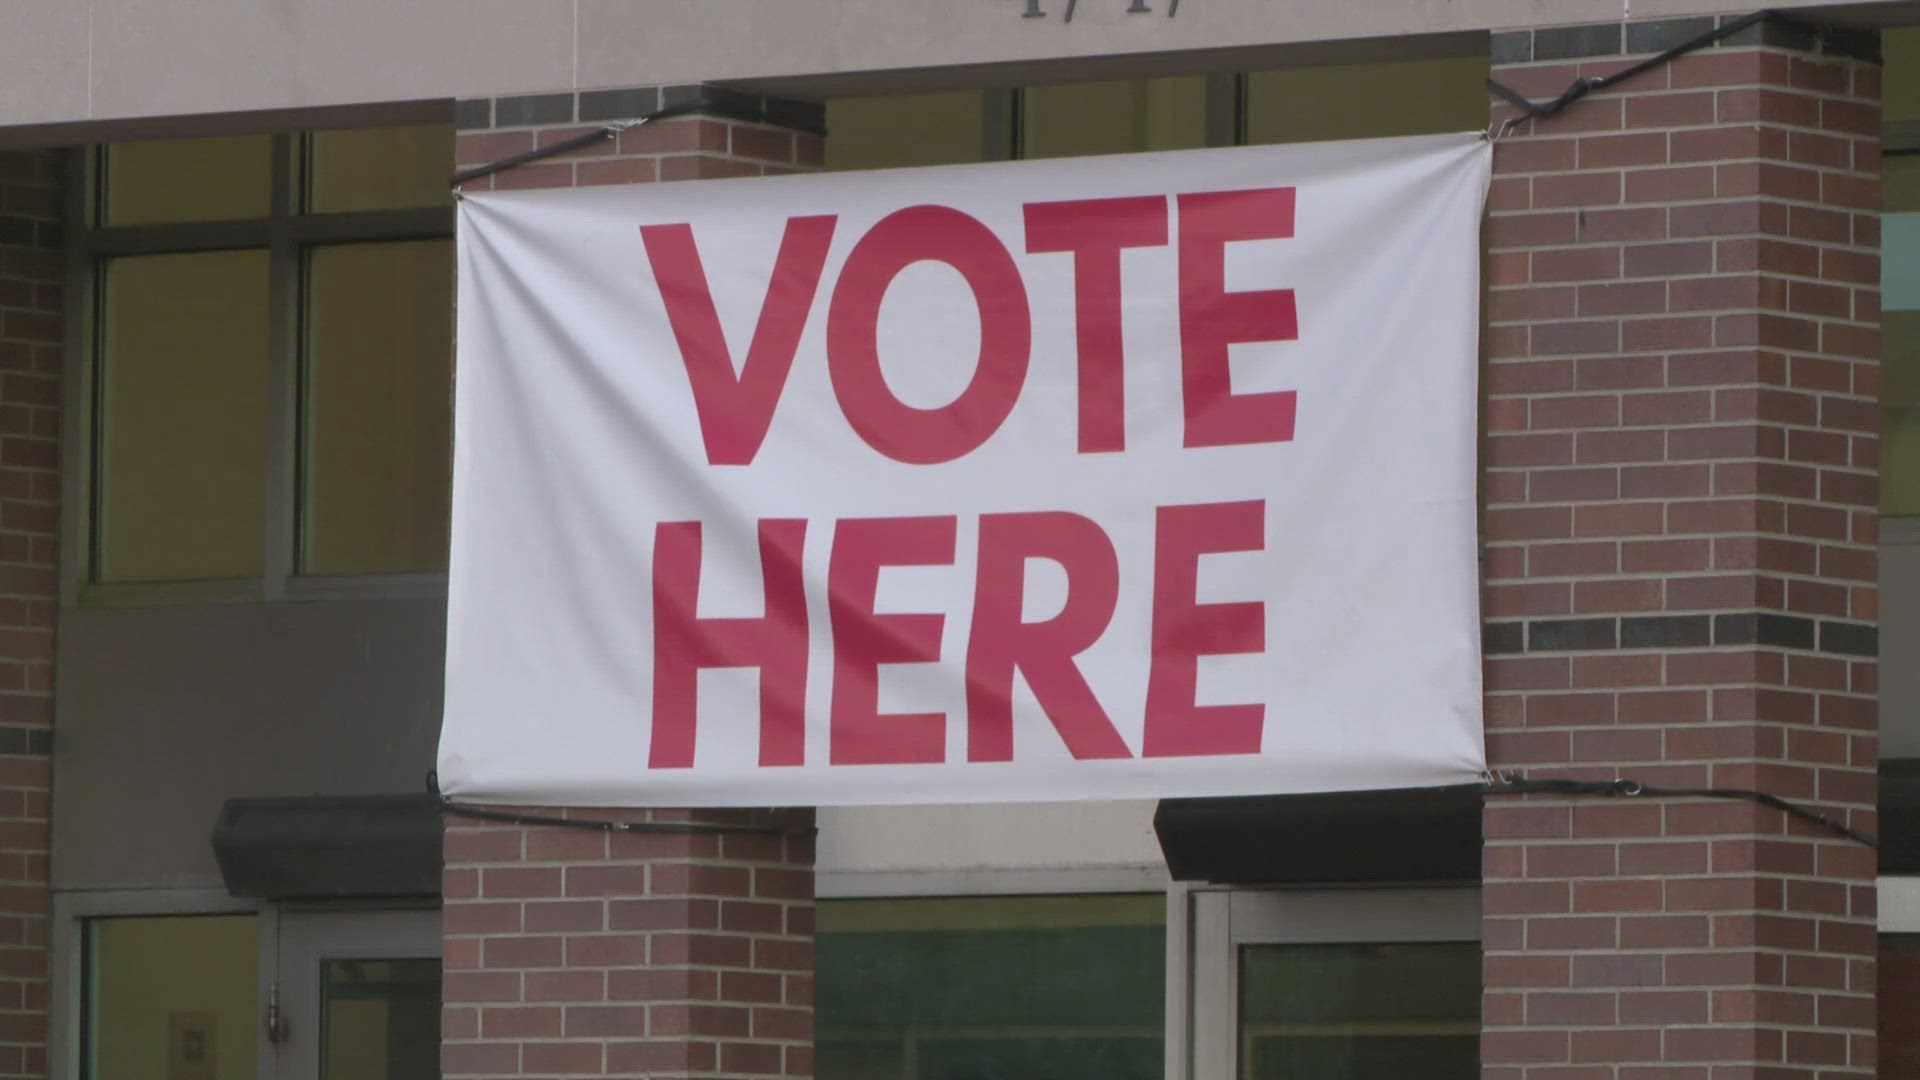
x,y
300,940
1207,927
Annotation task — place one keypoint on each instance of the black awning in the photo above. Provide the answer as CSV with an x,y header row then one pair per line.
x,y
1402,836
326,846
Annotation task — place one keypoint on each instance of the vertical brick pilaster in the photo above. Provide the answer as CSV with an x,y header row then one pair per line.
x,y
1680,561
590,953
593,954
31,329
743,136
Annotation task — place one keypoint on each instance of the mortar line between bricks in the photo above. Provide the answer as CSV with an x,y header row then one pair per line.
x,y
1786,425
1705,275
1822,171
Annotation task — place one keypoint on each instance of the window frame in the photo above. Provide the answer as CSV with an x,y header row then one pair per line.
x,y
286,234
66,974
1213,922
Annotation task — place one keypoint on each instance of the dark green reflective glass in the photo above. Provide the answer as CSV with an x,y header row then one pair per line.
x,y
1355,1012
1012,988
380,1019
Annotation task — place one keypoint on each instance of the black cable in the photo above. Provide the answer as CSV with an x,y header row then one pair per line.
x,y
1520,785
1582,87
448,806
708,106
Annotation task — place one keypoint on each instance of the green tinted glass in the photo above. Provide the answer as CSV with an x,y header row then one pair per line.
x,y
905,129
379,168
172,997
1354,101
182,417
1114,117
1900,320
174,180
380,1019
377,439
1054,987
1355,1012
1900,92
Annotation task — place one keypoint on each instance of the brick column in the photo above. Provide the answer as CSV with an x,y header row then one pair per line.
x,y
1680,557
594,954
32,271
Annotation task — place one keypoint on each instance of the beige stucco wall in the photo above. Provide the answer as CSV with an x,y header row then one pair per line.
x,y
73,60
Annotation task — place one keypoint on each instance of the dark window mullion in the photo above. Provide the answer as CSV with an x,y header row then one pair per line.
x,y
109,243
283,370
370,225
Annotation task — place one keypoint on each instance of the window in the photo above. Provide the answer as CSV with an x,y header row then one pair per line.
x,y
171,996
1900,279
1899,448
271,357
1072,119
907,129
1360,1010
1012,987
1336,985
1295,104
1364,101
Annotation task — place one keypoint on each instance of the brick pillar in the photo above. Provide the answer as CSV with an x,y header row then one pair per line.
x,y
590,954
31,275
1680,558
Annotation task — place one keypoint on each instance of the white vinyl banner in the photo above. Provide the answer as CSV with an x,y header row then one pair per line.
x,y
1091,478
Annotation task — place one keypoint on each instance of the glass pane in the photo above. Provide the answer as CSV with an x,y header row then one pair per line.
x,y
380,168
183,410
1114,117
1900,324
905,129
1900,102
1014,988
189,180
1334,1012
380,1020
172,997
1900,408
378,407
1363,101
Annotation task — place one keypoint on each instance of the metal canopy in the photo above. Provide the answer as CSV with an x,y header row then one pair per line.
x,y
329,847
1400,836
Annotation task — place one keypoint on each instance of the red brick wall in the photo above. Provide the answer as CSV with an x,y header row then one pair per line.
x,y
690,148
1680,567
589,954
31,275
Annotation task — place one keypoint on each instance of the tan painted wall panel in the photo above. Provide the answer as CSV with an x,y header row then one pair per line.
x,y
162,57
152,58
43,60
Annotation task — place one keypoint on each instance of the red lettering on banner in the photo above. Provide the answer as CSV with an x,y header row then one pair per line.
x,y
1096,230
683,643
859,734
735,409
1042,651
889,425
1212,318
1184,631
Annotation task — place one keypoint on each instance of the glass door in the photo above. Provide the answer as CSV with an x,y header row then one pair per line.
x,y
357,996
1347,985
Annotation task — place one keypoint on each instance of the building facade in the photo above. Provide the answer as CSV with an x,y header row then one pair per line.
x,y
225,324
